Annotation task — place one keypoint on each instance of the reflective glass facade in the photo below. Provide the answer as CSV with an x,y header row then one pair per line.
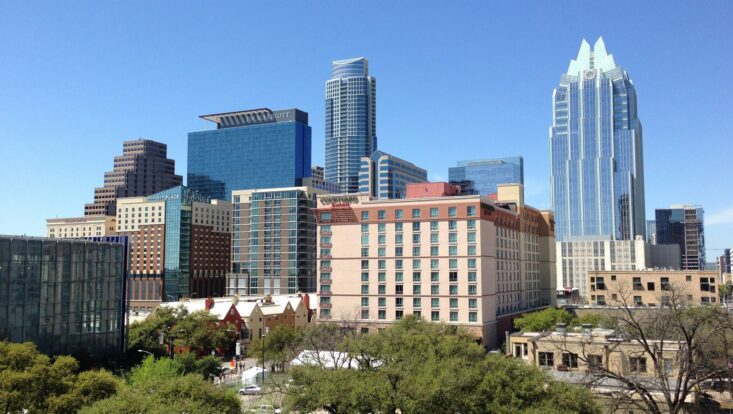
x,y
249,150
351,126
683,226
596,157
177,268
385,176
67,296
482,176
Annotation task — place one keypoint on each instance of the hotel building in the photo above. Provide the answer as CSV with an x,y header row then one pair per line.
x,y
462,260
179,245
80,227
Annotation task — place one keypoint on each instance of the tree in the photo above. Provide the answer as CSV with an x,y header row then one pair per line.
x,y
32,381
417,366
543,320
157,387
281,344
682,346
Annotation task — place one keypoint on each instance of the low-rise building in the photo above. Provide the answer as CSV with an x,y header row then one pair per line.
x,y
582,351
462,260
80,227
651,287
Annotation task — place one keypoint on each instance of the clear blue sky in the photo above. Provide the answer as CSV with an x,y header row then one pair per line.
x,y
455,80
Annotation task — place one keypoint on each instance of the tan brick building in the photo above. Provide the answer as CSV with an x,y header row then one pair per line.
x,y
79,227
462,260
651,288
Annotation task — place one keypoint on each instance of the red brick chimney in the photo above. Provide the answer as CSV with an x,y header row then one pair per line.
x,y
209,303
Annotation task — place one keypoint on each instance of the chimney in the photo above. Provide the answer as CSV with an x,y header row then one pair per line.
x,y
306,301
209,303
235,300
561,328
587,328
268,299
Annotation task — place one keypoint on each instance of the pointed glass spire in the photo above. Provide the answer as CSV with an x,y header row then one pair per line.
x,y
587,59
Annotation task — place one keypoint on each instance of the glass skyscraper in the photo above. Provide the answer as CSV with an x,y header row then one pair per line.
x,y
351,121
482,176
385,176
249,149
683,225
596,158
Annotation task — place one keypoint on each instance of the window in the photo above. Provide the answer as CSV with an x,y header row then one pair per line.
x,y
326,216
416,277
434,238
452,211
472,316
416,290
637,364
435,316
382,302
398,251
415,263
398,214
434,303
382,276
398,238
452,225
452,250
382,314
382,264
688,278
638,301
637,283
365,302
663,284
471,276
416,251
434,289
381,215
650,286
364,239
398,264
382,289
434,276
453,303
707,284
472,303
364,289
399,289
365,228
472,250
398,314
398,277
472,237
453,276
365,277
471,224
415,213
381,252
365,314
547,359
398,227
382,239
415,226
595,361
433,250
452,237
453,290
381,227
471,289
452,263
434,212
471,263
570,360
454,316
433,226
416,302
365,215
471,211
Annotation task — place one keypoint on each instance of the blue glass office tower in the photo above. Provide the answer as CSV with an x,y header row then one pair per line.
x,y
385,176
259,148
351,121
596,159
482,176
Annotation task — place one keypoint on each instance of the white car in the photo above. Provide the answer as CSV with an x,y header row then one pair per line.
x,y
250,390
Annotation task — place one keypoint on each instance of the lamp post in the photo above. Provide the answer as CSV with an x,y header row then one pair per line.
x,y
263,354
145,352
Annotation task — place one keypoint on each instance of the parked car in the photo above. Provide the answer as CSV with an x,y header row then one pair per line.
x,y
250,390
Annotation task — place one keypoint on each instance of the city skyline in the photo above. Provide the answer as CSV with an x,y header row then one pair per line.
x,y
405,128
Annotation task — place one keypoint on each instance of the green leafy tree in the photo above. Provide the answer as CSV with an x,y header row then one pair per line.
x,y
417,366
543,320
157,387
282,344
34,382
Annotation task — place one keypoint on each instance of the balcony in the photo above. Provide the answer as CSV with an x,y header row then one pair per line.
x,y
325,281
324,294
326,257
326,269
326,233
326,245
325,306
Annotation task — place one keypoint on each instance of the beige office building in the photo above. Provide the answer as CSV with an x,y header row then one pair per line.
x,y
78,227
652,288
462,260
